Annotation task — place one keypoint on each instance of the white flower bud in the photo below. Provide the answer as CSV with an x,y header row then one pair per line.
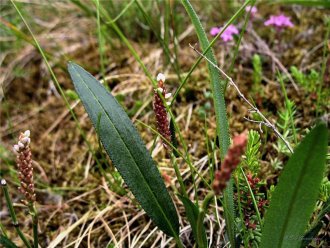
x,y
160,90
21,145
25,140
168,95
161,77
168,103
16,148
27,133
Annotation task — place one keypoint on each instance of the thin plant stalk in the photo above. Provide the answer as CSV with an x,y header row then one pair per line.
x,y
34,214
201,216
13,214
100,38
238,43
183,190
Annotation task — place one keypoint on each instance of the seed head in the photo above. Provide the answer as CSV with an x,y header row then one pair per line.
x,y
230,162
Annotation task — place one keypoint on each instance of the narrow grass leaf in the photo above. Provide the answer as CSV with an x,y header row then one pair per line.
x,y
7,243
126,149
220,111
296,193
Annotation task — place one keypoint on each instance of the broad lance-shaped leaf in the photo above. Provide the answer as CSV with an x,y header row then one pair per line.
x,y
126,150
295,196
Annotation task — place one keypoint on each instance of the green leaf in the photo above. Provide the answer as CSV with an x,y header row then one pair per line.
x,y
295,196
216,84
192,212
126,149
7,243
220,112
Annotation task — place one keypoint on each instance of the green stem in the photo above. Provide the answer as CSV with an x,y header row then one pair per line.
x,y
12,213
200,219
34,214
183,190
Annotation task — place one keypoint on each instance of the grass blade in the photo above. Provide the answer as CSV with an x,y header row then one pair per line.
x,y
220,112
216,84
296,193
126,149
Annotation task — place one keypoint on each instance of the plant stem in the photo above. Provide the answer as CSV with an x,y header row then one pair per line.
x,y
201,216
12,213
183,190
34,214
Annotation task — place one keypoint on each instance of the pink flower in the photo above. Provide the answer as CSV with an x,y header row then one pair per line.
x,y
252,9
227,35
279,21
214,31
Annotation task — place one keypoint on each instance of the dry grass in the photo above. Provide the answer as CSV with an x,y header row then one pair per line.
x,y
77,207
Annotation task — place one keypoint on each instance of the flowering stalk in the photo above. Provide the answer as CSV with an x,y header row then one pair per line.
x,y
13,214
25,175
230,162
160,110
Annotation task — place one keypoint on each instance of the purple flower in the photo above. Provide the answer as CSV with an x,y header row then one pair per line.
x,y
252,9
279,21
227,35
214,31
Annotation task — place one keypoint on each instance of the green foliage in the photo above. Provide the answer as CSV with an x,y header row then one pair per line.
x,y
325,189
72,95
309,81
252,154
126,149
285,126
257,70
298,186
193,212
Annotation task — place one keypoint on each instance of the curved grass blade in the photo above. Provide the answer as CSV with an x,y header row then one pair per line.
x,y
126,149
220,112
296,193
